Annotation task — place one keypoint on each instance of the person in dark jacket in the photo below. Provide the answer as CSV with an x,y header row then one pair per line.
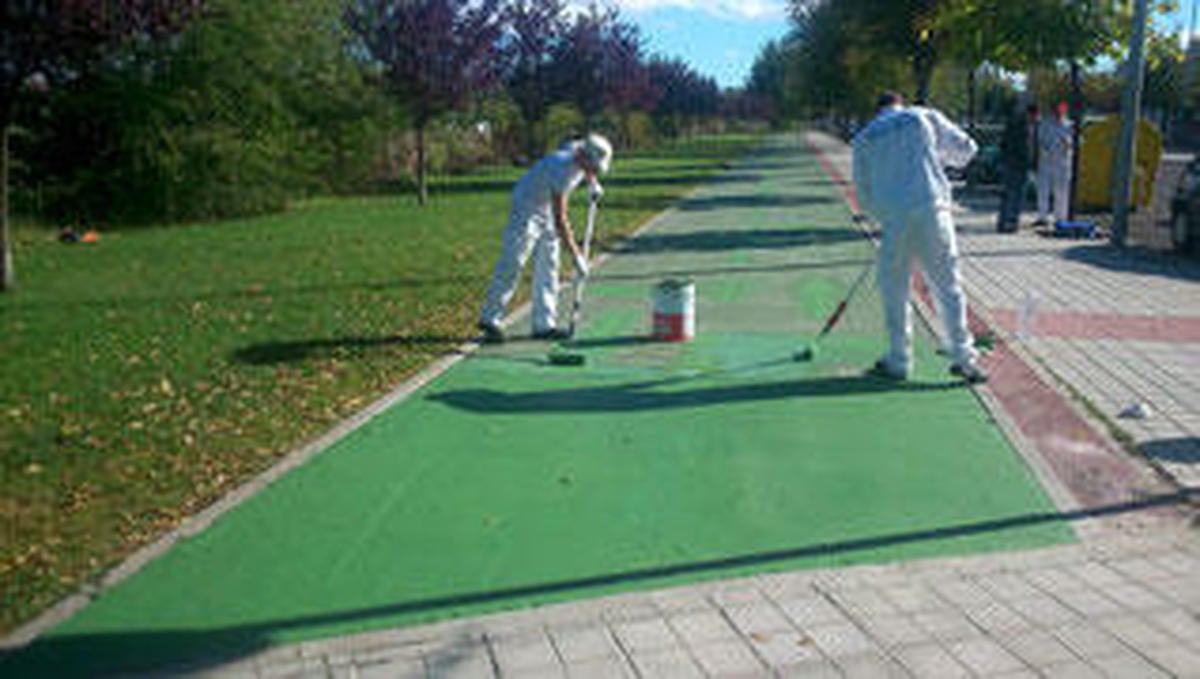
x,y
1017,160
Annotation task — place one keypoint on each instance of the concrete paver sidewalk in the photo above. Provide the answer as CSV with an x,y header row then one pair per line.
x,y
1102,329
1123,606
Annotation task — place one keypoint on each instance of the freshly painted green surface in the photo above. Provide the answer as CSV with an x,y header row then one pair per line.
x,y
151,373
508,481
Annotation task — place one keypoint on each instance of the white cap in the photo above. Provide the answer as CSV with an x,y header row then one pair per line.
x,y
598,152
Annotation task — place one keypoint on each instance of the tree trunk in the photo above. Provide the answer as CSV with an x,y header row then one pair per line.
x,y
422,187
529,145
7,275
971,101
923,63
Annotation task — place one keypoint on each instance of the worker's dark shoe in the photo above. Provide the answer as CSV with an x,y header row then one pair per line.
x,y
550,334
885,370
492,334
971,372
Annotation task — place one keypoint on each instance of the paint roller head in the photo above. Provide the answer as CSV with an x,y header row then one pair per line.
x,y
808,353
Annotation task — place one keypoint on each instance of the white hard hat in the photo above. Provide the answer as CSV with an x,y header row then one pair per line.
x,y
598,152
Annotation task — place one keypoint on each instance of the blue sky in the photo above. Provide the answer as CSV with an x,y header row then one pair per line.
x,y
719,38
1181,20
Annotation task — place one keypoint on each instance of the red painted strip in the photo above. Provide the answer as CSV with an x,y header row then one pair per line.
x,y
1083,325
1085,462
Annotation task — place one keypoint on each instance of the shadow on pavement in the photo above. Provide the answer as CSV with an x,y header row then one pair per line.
x,y
749,239
641,396
756,201
1184,450
682,179
1136,260
726,270
601,342
97,655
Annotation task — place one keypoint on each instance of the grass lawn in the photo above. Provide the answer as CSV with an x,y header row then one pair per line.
x,y
149,374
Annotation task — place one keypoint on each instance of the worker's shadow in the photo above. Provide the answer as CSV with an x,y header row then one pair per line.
x,y
660,394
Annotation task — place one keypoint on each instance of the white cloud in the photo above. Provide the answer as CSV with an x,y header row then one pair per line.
x,y
725,9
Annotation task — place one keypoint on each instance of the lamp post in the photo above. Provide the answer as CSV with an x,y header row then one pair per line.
x,y
1135,67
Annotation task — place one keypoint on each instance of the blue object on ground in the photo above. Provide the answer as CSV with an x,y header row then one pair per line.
x,y
1074,229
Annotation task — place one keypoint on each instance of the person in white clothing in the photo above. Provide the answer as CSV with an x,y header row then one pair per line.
x,y
537,224
1054,165
899,178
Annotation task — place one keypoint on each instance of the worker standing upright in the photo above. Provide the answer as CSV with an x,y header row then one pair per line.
x,y
898,175
1055,149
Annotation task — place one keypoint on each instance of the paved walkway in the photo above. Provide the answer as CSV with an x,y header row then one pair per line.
x,y
1098,330
1083,331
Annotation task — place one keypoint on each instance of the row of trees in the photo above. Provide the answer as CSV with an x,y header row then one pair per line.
x,y
140,110
841,52
437,55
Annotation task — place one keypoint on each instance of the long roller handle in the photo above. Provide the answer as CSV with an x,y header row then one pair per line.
x,y
577,303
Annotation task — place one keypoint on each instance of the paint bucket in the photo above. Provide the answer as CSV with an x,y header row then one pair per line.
x,y
675,310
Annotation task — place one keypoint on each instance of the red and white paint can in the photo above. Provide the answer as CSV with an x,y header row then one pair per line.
x,y
675,310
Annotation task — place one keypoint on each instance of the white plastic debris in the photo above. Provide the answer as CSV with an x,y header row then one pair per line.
x,y
1027,316
1135,411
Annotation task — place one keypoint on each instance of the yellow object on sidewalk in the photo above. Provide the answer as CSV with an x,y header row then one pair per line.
x,y
1094,188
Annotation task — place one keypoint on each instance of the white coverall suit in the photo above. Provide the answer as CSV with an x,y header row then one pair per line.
x,y
1054,168
531,229
898,175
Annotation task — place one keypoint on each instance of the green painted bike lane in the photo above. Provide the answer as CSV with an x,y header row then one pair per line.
x,y
508,482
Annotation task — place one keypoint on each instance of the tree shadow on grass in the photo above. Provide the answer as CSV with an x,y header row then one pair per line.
x,y
271,353
183,651
249,290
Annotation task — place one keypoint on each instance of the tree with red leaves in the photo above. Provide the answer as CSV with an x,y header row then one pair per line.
x,y
536,29
47,42
433,54
600,65
684,96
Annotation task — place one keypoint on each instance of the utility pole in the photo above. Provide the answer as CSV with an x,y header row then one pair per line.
x,y
1192,26
1131,105
1076,134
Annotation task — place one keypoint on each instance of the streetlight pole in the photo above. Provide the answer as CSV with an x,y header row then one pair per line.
x,y
1135,67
